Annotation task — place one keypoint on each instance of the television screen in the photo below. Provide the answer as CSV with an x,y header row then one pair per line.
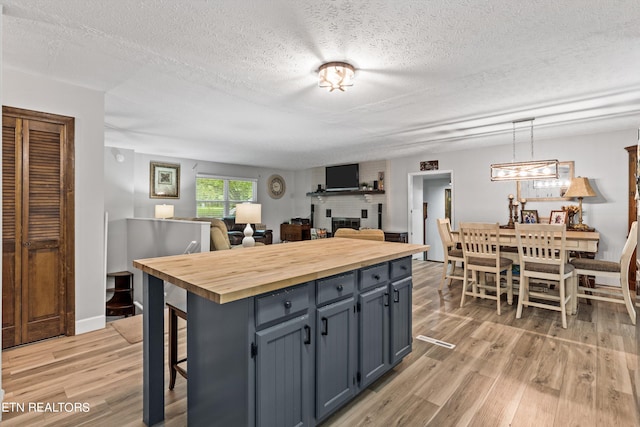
x,y
343,177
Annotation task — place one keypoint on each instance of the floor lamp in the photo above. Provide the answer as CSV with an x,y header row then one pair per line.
x,y
249,213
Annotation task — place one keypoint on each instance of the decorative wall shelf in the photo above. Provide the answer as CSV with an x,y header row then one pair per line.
x,y
344,193
364,193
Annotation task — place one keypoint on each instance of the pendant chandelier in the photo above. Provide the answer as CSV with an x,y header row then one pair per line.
x,y
520,171
336,75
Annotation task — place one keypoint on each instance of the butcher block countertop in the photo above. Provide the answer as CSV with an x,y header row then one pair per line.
x,y
226,276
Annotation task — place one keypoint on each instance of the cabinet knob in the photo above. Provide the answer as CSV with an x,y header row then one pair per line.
x,y
339,288
287,304
376,276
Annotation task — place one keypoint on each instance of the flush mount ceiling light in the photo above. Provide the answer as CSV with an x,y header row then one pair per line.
x,y
335,75
520,171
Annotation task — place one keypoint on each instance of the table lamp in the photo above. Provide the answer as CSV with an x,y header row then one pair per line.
x,y
580,188
249,213
164,211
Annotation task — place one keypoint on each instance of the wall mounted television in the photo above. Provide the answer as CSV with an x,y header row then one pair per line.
x,y
342,177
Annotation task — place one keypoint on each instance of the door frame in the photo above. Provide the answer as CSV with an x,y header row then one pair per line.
x,y
68,215
416,231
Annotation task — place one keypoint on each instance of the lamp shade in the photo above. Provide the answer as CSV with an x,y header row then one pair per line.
x,y
164,211
580,187
248,213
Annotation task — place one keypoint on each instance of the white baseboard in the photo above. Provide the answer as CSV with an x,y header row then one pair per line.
x,y
91,324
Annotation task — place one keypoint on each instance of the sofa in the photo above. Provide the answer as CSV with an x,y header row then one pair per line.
x,y
236,232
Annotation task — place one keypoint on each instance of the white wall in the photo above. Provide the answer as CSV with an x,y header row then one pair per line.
x,y
341,206
151,238
127,195
600,157
87,106
274,211
118,202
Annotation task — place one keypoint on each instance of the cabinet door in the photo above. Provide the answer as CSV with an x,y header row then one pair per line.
x,y
400,319
374,334
282,374
335,355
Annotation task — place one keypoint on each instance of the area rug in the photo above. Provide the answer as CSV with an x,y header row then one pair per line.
x,y
131,327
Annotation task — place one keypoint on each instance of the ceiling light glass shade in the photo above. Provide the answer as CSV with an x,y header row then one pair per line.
x,y
336,75
540,169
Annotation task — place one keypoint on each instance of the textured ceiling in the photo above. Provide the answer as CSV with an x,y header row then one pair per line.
x,y
234,81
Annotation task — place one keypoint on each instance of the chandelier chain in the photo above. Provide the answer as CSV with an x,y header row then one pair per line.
x,y
513,157
531,139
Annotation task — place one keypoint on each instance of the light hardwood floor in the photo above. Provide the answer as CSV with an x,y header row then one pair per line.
x,y
502,372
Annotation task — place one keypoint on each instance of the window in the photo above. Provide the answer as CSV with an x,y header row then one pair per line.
x,y
217,196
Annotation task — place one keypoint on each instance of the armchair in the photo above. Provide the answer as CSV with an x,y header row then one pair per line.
x,y
236,232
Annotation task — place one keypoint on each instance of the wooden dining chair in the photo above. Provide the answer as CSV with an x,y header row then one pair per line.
x,y
481,256
543,257
452,255
617,270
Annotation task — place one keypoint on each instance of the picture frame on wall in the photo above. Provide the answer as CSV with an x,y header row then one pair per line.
x,y
558,217
530,216
164,180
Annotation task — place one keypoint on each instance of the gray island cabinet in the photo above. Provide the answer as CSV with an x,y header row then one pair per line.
x,y
280,335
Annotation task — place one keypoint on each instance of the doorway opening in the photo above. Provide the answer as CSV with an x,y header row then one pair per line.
x,y
431,196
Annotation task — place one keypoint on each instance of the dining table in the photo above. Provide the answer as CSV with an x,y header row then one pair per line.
x,y
577,243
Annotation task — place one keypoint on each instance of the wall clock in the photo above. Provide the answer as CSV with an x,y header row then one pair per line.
x,y
276,186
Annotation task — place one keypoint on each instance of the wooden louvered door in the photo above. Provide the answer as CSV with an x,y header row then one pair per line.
x,y
37,191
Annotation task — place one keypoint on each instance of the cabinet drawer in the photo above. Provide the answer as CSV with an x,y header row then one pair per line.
x,y
374,276
400,268
281,305
335,287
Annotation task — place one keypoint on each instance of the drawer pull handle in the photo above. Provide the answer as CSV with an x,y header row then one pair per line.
x,y
287,304
339,288
307,331
376,276
325,326
396,295
403,267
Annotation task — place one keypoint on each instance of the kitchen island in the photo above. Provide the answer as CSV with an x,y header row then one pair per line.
x,y
280,334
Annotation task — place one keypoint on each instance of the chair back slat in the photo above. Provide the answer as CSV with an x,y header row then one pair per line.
x,y
480,240
542,243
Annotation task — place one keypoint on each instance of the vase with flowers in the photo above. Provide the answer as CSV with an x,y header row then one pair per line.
x,y
572,211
